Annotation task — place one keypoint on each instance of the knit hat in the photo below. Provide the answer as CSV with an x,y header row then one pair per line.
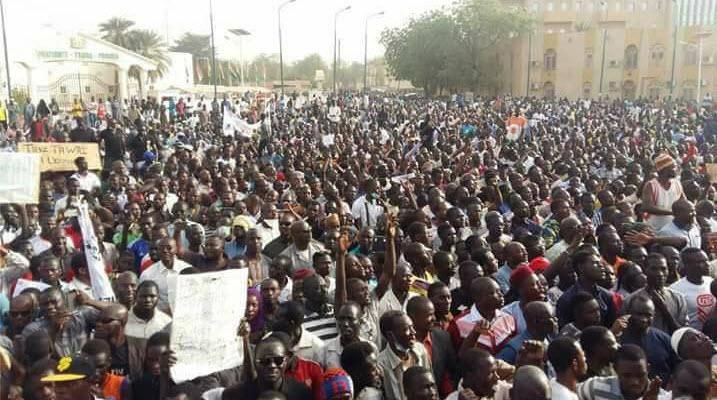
x,y
519,274
677,337
300,274
336,382
663,161
243,221
539,264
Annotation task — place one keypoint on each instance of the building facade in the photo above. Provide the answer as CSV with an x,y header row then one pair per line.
x,y
615,48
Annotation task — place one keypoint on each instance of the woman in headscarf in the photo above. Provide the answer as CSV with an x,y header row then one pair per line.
x,y
255,315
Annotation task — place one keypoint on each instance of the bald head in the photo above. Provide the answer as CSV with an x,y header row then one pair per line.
x,y
301,234
530,383
116,312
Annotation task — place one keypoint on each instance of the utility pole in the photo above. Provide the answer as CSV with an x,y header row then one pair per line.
x,y
214,49
676,23
281,50
336,16
4,43
530,48
701,36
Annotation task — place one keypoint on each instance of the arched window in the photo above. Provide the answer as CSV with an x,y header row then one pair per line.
x,y
657,54
548,90
628,90
550,60
631,57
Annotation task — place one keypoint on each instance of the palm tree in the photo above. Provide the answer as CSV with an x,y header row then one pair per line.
x,y
149,44
115,30
194,44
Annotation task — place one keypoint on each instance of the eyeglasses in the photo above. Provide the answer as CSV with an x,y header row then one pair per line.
x,y
268,361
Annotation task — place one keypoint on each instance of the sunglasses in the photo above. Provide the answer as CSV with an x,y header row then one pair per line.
x,y
268,361
107,320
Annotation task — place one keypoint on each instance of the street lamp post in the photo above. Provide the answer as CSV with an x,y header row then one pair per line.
x,y
7,60
240,33
281,50
214,50
701,36
604,45
365,50
336,16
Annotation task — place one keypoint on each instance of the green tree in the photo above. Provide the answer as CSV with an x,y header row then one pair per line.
x,y
455,48
306,68
115,30
194,44
150,44
420,51
484,27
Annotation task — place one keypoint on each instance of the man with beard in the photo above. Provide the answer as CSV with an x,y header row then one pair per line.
x,y
319,319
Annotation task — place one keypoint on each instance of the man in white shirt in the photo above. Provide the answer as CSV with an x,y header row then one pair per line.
x,y
366,209
402,352
683,230
88,180
695,286
568,359
144,320
164,270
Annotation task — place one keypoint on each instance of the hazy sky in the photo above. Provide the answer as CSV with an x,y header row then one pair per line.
x,y
307,24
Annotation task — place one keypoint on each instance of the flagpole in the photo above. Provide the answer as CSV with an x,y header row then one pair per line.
x,y
214,49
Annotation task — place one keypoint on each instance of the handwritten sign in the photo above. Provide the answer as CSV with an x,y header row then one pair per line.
x,y
61,156
711,169
206,312
19,178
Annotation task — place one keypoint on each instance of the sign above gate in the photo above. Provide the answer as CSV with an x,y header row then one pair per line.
x,y
61,55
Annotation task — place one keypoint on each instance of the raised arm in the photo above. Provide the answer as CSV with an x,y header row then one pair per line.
x,y
389,268
342,248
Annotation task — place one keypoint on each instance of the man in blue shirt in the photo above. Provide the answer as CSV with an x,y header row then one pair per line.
x,y
540,325
660,356
588,266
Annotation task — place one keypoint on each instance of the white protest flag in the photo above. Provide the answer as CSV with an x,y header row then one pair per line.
x,y
19,178
233,122
206,312
101,287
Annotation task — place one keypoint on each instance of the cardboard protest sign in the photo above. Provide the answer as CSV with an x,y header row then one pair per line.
x,y
61,156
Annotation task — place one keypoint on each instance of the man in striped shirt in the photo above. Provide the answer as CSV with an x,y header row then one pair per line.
x,y
319,318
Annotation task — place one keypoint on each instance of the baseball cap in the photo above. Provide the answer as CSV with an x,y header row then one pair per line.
x,y
71,369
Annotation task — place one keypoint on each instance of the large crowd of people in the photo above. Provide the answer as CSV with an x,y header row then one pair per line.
x,y
397,247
